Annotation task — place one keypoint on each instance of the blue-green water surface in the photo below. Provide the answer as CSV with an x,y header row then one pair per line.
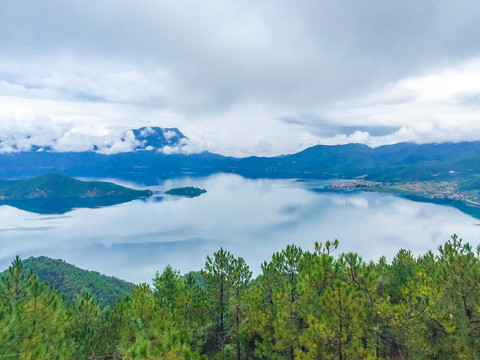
x,y
250,218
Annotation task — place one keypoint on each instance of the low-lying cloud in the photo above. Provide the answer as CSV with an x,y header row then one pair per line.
x,y
59,138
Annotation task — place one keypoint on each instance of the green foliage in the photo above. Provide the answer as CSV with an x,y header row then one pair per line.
x,y
167,286
33,317
57,194
303,305
70,280
188,191
61,186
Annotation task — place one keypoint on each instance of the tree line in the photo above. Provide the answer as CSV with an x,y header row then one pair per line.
x,y
303,305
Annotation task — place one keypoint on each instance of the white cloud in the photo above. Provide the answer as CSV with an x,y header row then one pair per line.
x,y
74,141
225,72
148,130
169,134
263,146
125,144
436,107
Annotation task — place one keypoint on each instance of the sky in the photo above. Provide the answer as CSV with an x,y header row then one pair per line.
x,y
238,78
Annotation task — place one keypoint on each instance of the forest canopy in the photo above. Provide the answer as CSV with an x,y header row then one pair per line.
x,y
303,305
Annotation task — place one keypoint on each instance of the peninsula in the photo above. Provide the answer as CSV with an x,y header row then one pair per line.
x,y
464,192
56,193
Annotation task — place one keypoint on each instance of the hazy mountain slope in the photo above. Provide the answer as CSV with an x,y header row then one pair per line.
x,y
133,165
403,161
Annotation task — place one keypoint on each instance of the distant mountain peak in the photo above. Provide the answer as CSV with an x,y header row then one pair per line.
x,y
156,138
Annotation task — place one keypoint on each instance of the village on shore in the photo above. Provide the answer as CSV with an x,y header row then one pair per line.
x,y
430,190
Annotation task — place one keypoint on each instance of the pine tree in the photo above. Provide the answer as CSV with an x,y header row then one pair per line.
x,y
167,286
84,325
217,277
240,279
278,322
33,317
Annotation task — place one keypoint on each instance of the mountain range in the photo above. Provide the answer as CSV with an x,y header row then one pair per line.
x,y
398,162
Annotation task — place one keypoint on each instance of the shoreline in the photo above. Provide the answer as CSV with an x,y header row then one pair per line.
x,y
465,205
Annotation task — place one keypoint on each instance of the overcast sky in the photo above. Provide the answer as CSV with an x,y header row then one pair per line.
x,y
239,77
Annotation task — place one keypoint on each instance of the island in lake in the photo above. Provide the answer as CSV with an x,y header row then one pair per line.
x,y
58,194
188,191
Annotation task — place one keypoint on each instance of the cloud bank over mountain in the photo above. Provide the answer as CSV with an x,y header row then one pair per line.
x,y
239,78
167,140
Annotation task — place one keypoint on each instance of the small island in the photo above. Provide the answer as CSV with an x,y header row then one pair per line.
x,y
188,191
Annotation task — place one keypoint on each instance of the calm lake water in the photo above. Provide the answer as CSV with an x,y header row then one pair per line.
x,y
250,218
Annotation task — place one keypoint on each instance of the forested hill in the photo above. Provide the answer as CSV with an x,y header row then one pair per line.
x,y
303,305
70,280
397,162
58,194
56,186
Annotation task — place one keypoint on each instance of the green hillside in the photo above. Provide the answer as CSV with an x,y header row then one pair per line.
x,y
70,280
57,194
397,162
61,186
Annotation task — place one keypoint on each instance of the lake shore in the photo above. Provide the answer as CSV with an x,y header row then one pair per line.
x,y
442,192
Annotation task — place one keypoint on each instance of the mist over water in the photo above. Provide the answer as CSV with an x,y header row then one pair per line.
x,y
250,218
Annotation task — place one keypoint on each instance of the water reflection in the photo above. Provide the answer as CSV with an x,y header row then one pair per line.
x,y
58,206
251,218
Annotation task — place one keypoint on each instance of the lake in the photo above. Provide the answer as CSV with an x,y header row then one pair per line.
x,y
250,218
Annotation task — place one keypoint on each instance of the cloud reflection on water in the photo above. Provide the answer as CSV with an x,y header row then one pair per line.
x,y
251,218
